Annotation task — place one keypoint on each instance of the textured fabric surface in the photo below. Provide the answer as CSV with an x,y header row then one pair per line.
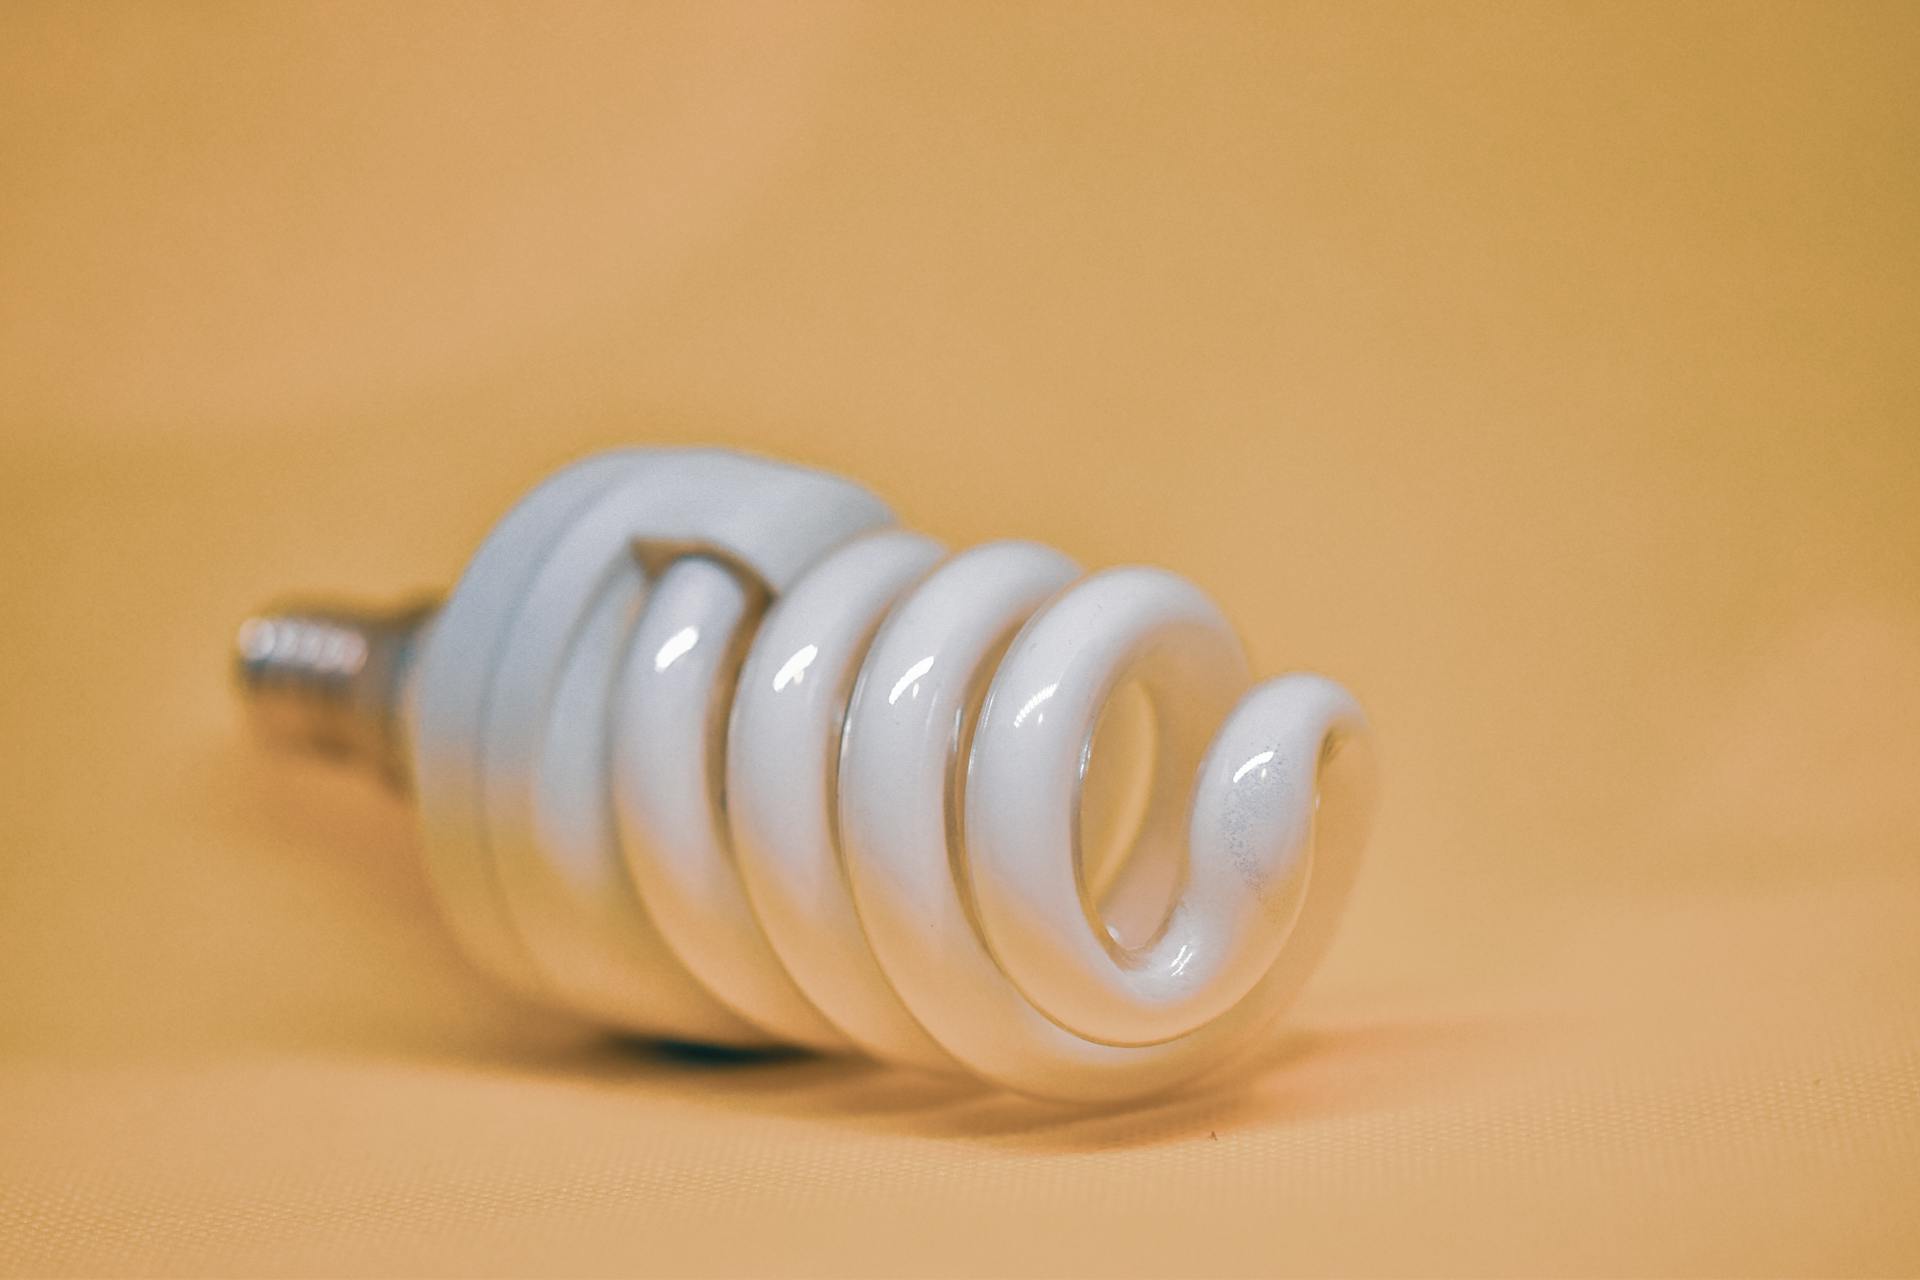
x,y
1544,373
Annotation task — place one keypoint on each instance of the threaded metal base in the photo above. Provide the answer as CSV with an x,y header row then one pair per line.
x,y
329,679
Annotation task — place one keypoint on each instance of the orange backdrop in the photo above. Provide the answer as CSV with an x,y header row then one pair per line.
x,y
1546,373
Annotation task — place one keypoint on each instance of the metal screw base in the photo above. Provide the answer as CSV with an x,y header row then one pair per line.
x,y
329,679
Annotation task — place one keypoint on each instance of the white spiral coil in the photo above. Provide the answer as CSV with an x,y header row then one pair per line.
x,y
706,749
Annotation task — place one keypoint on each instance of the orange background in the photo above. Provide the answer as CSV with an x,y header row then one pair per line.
x,y
1546,373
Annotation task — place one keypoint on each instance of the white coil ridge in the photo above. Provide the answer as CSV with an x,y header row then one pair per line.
x,y
706,749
